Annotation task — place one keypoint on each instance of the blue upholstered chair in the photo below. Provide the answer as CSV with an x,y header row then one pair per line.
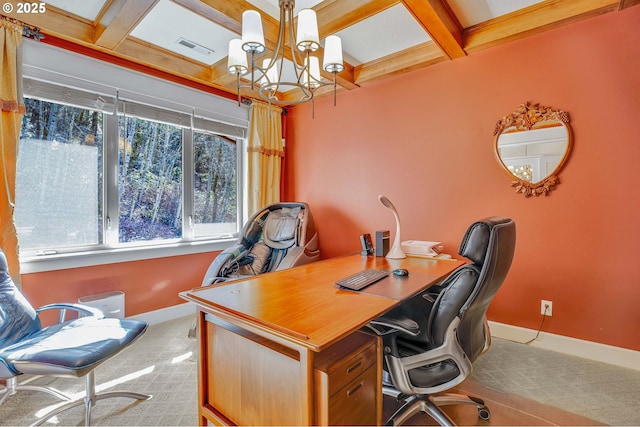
x,y
69,348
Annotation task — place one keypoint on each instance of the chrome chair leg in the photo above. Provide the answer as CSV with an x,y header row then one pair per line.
x,y
12,387
5,392
391,391
416,404
430,404
461,399
90,399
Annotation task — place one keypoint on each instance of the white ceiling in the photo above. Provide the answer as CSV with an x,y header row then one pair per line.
x,y
88,9
389,31
187,25
380,38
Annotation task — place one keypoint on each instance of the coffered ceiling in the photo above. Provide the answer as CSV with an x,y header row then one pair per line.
x,y
381,38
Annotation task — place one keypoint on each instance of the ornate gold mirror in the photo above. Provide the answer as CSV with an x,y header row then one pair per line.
x,y
533,144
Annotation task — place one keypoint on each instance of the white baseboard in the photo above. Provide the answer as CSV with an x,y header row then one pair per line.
x,y
167,313
587,349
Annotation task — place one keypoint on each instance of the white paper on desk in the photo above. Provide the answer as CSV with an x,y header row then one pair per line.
x,y
419,247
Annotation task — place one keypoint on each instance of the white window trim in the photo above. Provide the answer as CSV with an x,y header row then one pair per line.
x,y
58,66
116,255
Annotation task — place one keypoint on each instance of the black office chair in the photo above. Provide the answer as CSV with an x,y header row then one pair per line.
x,y
431,341
71,348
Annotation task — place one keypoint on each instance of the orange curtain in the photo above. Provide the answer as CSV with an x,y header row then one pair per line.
x,y
265,156
12,112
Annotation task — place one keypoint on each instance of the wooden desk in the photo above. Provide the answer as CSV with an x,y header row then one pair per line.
x,y
282,348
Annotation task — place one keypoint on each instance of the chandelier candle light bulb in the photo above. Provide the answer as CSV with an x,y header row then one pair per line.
x,y
313,69
252,34
237,60
273,82
307,31
332,61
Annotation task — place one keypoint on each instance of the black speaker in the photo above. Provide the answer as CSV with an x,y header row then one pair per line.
x,y
382,243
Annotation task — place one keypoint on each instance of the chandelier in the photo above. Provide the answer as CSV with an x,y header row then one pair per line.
x,y
306,67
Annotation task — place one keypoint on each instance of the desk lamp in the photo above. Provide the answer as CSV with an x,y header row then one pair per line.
x,y
396,250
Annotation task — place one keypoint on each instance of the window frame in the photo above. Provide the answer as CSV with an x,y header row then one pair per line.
x,y
88,75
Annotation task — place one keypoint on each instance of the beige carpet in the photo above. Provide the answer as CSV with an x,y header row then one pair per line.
x,y
596,390
163,363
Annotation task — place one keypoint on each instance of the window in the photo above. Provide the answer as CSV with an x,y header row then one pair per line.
x,y
215,185
90,179
58,177
149,180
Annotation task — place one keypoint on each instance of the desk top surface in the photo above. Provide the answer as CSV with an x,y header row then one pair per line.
x,y
305,306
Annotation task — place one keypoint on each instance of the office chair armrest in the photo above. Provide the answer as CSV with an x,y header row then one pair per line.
x,y
78,308
402,324
430,297
402,365
432,293
450,351
435,355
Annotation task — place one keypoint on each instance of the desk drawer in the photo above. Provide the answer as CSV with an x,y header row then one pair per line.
x,y
356,402
348,382
348,360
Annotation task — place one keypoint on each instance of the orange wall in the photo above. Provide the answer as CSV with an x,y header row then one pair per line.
x,y
148,285
425,140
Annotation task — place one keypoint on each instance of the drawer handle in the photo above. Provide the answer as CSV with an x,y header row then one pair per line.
x,y
354,367
355,389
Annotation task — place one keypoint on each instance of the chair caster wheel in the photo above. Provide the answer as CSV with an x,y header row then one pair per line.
x,y
484,413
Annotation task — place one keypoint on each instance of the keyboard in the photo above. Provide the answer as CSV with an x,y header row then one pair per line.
x,y
362,279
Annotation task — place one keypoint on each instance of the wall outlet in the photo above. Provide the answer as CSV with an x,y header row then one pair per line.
x,y
546,307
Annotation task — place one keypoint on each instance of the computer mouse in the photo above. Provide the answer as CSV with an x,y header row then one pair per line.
x,y
402,272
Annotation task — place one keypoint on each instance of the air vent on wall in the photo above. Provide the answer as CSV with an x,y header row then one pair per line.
x,y
194,46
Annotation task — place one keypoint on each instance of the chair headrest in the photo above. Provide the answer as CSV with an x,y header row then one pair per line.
x,y
280,229
475,242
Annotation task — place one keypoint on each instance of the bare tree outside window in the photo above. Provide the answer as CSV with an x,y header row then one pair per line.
x,y
62,194
215,185
150,180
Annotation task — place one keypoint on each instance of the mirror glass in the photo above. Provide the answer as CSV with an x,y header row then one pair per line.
x,y
533,144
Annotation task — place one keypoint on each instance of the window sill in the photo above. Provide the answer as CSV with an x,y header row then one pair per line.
x,y
38,264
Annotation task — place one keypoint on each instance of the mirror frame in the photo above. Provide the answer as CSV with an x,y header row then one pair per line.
x,y
523,118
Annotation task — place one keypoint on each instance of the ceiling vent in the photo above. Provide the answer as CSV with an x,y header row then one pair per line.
x,y
194,46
